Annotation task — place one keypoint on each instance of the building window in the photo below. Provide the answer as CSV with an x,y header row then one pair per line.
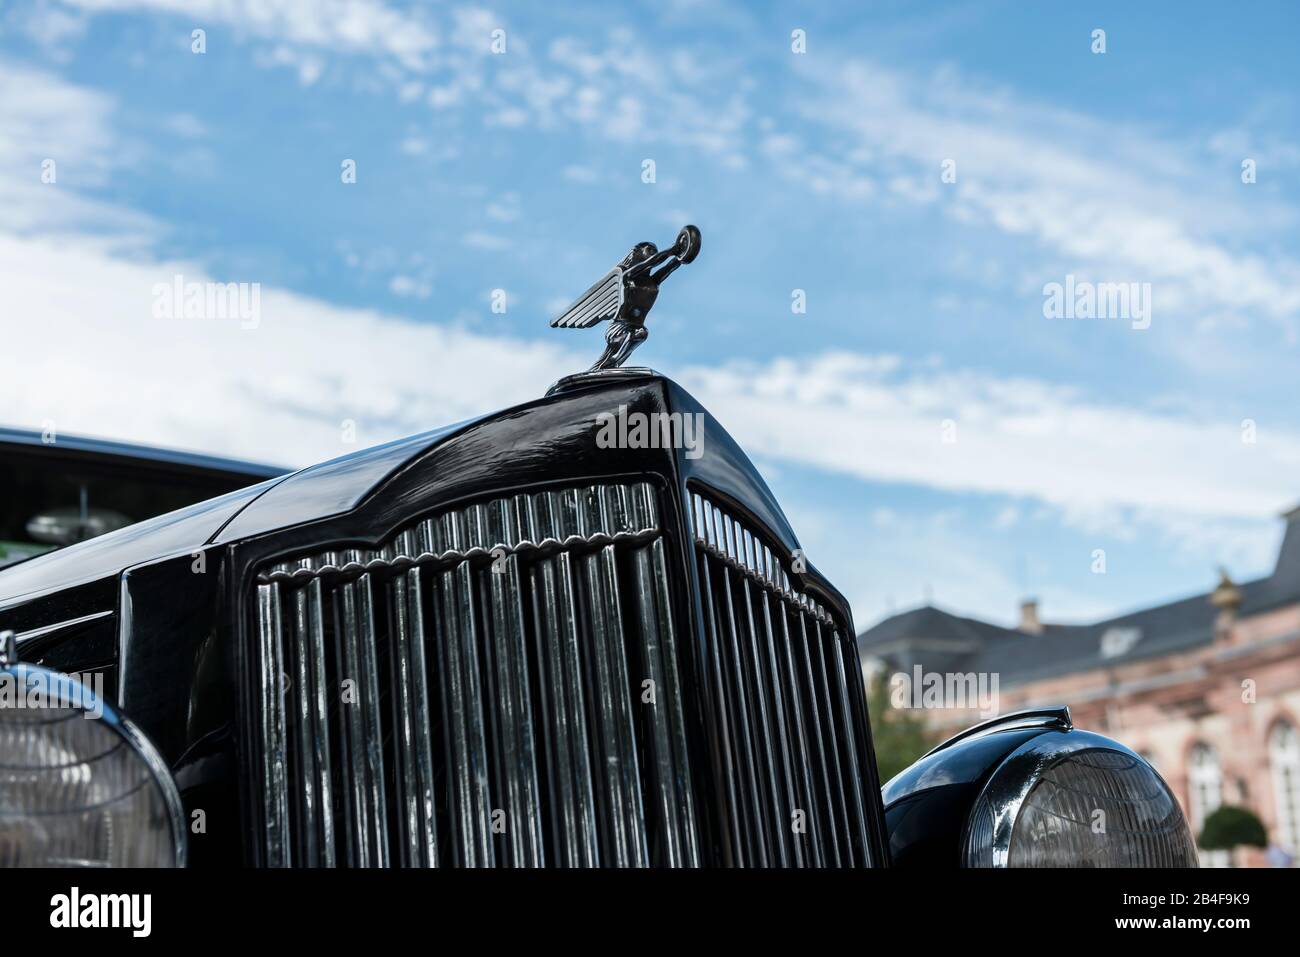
x,y
1284,760
1205,793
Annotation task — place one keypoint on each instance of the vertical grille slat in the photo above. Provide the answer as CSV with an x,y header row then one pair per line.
x,y
852,767
817,741
765,728
320,724
274,771
621,777
724,750
361,703
516,682
798,786
668,745
570,763
783,686
463,704
518,763
743,717
311,782
419,838
838,791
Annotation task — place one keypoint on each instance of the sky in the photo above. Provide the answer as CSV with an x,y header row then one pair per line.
x,y
916,174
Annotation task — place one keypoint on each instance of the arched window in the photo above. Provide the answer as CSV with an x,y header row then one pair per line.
x,y
1204,794
1284,761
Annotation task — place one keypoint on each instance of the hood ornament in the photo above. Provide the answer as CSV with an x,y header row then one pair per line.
x,y
624,296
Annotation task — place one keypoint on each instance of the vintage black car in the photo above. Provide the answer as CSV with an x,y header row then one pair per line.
x,y
508,643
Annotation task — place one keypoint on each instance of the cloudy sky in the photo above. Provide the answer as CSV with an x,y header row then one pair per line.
x,y
929,431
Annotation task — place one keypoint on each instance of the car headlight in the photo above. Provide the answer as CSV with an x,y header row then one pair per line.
x,y
80,786
1076,799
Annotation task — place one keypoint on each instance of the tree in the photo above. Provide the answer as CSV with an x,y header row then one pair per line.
x,y
1228,827
900,735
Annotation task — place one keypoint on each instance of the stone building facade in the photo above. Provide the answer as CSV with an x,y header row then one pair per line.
x,y
1207,688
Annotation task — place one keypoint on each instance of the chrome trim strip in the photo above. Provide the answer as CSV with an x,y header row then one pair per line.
x,y
479,531
1056,716
25,636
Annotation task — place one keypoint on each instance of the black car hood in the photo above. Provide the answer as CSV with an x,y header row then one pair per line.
x,y
314,492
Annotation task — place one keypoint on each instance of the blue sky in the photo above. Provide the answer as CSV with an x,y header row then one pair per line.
x,y
818,171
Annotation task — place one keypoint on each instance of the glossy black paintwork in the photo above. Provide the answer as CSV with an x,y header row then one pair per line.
x,y
128,455
331,487
174,680
180,634
99,560
927,805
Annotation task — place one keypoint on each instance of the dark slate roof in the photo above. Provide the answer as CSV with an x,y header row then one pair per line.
x,y
928,622
978,646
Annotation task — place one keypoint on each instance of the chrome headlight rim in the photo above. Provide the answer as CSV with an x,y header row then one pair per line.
x,y
69,689
1008,787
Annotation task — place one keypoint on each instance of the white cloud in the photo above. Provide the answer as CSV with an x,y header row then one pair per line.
x,y
1124,207
848,413
55,31
581,174
343,26
49,125
488,242
410,286
89,356
504,210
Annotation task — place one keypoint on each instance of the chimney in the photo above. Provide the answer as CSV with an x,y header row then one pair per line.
x,y
1029,622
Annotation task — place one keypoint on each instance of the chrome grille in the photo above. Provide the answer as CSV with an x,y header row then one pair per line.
x,y
497,685
505,684
789,714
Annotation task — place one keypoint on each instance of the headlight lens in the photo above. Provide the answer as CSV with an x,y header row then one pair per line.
x,y
1088,808
79,785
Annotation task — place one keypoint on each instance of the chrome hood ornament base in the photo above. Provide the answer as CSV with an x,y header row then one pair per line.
x,y
624,296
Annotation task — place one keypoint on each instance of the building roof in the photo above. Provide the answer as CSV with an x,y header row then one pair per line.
x,y
941,640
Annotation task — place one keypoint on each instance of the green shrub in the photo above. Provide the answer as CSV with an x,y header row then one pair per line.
x,y
1227,827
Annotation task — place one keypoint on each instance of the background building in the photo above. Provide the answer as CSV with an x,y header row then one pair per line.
x,y
1207,688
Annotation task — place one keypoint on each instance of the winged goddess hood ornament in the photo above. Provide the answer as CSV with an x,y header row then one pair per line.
x,y
624,296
